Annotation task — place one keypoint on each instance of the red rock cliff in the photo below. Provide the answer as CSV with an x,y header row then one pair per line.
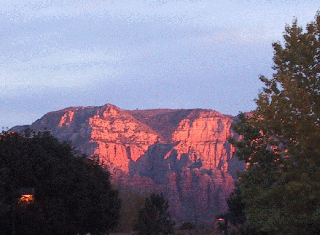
x,y
181,153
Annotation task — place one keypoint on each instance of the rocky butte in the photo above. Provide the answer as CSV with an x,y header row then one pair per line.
x,y
184,154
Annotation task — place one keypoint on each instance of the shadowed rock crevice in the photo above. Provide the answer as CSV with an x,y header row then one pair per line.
x,y
163,121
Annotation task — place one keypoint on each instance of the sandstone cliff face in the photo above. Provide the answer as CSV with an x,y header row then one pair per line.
x,y
181,153
119,137
204,139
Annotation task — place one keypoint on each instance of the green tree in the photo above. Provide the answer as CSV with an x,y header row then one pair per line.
x,y
73,194
187,226
280,139
236,208
236,214
132,202
154,218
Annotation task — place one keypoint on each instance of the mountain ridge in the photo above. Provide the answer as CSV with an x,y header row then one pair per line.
x,y
182,153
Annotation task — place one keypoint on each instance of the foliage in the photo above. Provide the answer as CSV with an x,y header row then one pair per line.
x,y
236,215
154,218
132,202
187,226
236,208
73,194
280,140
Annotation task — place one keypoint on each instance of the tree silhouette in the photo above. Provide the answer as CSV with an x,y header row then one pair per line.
x,y
73,194
154,218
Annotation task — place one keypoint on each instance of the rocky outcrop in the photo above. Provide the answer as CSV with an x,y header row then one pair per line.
x,y
184,154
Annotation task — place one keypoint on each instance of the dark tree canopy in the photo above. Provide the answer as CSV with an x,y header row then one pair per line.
x,y
154,218
73,194
281,139
236,208
187,226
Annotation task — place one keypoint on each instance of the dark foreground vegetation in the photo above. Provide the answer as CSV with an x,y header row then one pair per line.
x,y
155,217
72,193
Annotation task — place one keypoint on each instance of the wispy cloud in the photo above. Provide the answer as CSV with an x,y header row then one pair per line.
x,y
138,53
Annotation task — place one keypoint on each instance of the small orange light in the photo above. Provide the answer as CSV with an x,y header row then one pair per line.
x,y
26,198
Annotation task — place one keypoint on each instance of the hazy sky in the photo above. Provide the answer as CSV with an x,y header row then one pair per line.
x,y
138,53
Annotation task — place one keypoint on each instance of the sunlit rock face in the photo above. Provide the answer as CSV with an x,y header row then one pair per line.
x,y
182,153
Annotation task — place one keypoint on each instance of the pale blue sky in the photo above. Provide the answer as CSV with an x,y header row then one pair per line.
x,y
137,54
